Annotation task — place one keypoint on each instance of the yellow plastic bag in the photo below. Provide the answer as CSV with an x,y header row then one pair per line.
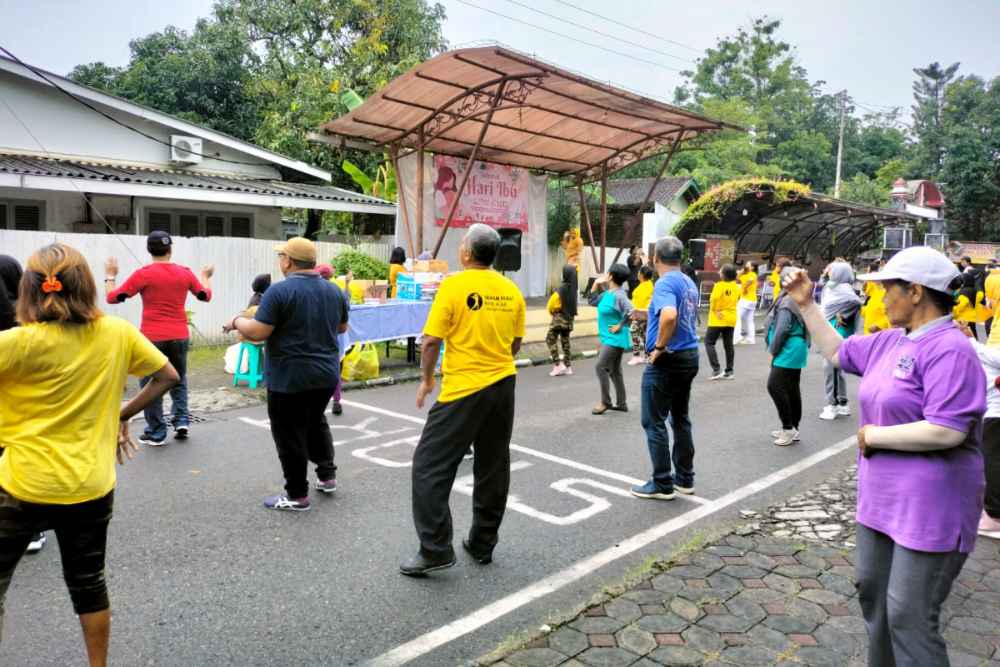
x,y
360,363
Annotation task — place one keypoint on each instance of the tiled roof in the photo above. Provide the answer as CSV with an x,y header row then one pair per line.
x,y
632,191
34,166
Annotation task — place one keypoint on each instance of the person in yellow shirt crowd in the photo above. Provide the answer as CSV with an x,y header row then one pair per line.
x,y
397,263
775,277
642,295
746,328
965,303
62,375
479,315
991,289
873,313
562,308
572,245
722,307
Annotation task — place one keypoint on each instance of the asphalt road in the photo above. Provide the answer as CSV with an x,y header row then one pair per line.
x,y
201,574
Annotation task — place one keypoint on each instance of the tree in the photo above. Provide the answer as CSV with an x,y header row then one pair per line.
x,y
970,170
929,94
203,77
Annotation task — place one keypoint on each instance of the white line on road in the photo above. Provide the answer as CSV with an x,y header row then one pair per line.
x,y
532,452
477,619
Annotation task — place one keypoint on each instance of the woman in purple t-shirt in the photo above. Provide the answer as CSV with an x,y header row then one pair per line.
x,y
920,469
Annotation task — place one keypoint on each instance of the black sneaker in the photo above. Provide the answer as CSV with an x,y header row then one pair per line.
x,y
338,409
150,442
420,565
481,557
181,433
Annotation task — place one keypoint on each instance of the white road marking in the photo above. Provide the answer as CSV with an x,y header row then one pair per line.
x,y
360,427
363,453
532,452
477,619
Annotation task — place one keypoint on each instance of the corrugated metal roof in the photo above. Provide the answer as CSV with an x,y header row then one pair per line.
x,y
632,191
34,166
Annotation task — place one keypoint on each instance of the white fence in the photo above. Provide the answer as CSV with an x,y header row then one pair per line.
x,y
237,262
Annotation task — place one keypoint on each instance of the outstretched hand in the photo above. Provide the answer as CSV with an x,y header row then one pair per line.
x,y
208,270
800,287
111,267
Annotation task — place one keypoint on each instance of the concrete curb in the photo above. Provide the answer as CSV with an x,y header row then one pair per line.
x,y
415,376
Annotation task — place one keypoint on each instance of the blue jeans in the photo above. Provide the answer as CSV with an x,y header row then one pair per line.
x,y
156,428
666,392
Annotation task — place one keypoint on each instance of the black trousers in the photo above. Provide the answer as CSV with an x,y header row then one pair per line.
x,y
991,457
711,336
82,532
301,434
783,386
484,419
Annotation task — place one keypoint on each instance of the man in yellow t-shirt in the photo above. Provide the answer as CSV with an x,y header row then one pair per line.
x,y
722,321
479,316
746,328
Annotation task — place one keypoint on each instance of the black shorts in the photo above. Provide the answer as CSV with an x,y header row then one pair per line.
x,y
82,532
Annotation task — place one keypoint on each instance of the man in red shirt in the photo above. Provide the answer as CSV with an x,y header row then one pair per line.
x,y
164,287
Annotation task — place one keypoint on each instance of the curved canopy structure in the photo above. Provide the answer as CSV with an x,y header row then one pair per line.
x,y
794,224
518,111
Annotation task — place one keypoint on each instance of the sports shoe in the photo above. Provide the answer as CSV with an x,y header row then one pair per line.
x,y
327,486
650,490
777,434
829,413
557,370
728,376
35,545
686,490
283,502
150,442
989,527
337,409
844,410
785,438
636,360
181,433
717,375
569,370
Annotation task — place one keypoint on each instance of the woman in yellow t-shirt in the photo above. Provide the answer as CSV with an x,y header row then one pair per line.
x,y
722,307
642,295
965,303
397,263
62,375
746,328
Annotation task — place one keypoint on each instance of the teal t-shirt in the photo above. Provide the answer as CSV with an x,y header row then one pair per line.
x,y
609,315
794,353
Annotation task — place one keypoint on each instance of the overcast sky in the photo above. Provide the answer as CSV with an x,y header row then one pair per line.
x,y
852,44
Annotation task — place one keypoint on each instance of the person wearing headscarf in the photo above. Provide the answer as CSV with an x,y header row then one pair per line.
x,y
787,341
259,286
841,306
562,307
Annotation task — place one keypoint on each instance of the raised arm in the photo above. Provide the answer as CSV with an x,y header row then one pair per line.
x,y
827,340
202,288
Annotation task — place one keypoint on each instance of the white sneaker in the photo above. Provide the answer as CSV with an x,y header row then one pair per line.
x,y
636,360
36,545
777,434
843,411
557,370
785,438
569,370
717,376
829,413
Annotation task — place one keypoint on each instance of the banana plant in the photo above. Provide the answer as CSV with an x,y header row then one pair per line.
x,y
383,183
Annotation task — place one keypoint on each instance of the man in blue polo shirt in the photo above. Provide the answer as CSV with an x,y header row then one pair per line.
x,y
672,348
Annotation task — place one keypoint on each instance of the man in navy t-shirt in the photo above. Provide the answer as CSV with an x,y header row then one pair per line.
x,y
299,318
672,347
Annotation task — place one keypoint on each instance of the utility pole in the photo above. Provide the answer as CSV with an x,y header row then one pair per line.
x,y
840,143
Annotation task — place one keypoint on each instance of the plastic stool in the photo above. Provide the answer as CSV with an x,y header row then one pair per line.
x,y
253,375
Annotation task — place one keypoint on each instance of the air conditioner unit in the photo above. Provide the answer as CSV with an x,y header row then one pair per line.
x,y
185,150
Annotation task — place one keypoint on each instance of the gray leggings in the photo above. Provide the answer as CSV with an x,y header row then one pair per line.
x,y
836,386
901,592
609,369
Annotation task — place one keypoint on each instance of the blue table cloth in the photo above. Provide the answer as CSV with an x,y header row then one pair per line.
x,y
386,321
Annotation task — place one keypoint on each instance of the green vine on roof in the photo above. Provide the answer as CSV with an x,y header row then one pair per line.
x,y
713,204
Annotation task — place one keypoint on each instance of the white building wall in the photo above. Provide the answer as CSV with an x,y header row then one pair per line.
x,y
66,129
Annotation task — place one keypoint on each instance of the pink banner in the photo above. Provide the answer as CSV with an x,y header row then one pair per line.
x,y
494,194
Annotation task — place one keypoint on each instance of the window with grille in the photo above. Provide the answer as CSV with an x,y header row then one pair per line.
x,y
25,216
159,222
189,225
240,227
215,225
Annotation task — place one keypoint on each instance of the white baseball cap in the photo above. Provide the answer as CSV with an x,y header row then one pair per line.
x,y
921,265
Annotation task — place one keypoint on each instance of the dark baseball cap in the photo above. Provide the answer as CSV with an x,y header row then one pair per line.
x,y
158,243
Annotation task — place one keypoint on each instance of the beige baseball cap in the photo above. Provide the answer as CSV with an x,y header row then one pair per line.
x,y
298,248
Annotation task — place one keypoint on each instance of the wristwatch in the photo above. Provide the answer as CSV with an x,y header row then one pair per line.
x,y
657,347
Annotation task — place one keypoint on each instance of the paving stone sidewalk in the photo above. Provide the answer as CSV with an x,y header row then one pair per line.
x,y
780,592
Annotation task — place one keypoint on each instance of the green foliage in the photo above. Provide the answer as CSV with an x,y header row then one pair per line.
x,y
564,209
929,99
364,266
713,203
862,189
